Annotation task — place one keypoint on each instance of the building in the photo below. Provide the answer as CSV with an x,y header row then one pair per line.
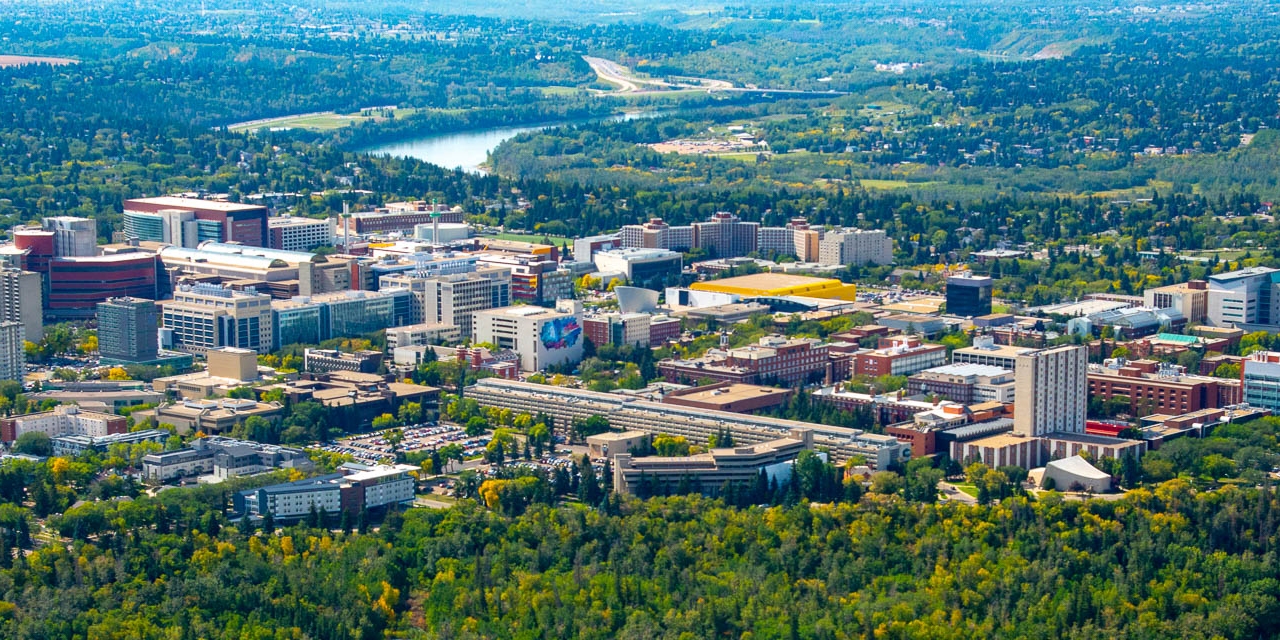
x,y
229,221
629,329
104,396
353,489
228,368
969,296
663,329
536,279
213,416
452,299
585,249
72,445
1260,376
178,227
290,233
656,234
1052,390
354,399
965,383
776,285
986,351
205,316
709,472
223,458
855,247
730,397
899,356
773,360
1075,474
724,235
77,284
128,330
542,337
400,217
1157,387
612,444
427,333
1243,297
22,300
442,233
61,421
13,354
72,237
283,274
650,268
566,405
1191,299
326,360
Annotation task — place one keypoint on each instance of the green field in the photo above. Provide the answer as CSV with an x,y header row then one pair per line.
x,y
868,183
322,121
536,238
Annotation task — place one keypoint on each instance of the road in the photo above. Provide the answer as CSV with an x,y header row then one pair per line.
x,y
627,82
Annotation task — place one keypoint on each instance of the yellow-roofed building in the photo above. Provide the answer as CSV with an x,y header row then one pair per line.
x,y
781,284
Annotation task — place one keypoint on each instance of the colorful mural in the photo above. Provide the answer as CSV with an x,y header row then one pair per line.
x,y
561,333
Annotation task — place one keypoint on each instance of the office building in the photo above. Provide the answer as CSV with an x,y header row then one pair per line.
x,y
729,396
760,285
326,360
709,472
78,284
542,337
899,356
855,247
354,399
724,235
72,237
22,300
442,233
62,420
213,416
536,279
451,299
399,217
178,227
427,333
648,268
72,445
566,405
289,233
663,329
585,249
773,360
214,220
354,488
629,329
223,458
228,368
204,317
1260,375
986,351
656,234
969,296
1151,387
128,330
965,383
1052,390
1191,299
13,355
1243,297
349,314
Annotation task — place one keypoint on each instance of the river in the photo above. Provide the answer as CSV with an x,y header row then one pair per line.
x,y
470,149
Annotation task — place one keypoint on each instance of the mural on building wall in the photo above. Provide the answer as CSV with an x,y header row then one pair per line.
x,y
561,333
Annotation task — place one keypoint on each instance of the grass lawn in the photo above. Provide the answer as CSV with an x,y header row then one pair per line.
x,y
322,121
561,91
891,184
968,489
536,238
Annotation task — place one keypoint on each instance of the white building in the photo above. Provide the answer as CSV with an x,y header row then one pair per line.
x,y
13,356
1244,297
422,334
442,232
63,420
855,246
1070,472
639,265
21,300
204,317
1052,388
300,234
452,299
1261,377
73,237
542,337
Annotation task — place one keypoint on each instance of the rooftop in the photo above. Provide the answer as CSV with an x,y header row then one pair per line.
x,y
196,203
967,369
730,393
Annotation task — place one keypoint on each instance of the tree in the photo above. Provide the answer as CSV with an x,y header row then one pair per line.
x,y
117,373
886,483
476,426
36,443
384,422
670,446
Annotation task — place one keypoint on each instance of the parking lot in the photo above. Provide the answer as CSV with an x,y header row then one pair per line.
x,y
373,447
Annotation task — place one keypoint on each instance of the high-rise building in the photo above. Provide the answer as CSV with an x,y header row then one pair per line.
x,y
13,358
300,234
968,295
1052,390
726,236
22,300
128,330
178,227
78,284
1260,373
73,237
214,220
656,234
856,247
650,268
1189,298
1244,297
452,299
206,316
